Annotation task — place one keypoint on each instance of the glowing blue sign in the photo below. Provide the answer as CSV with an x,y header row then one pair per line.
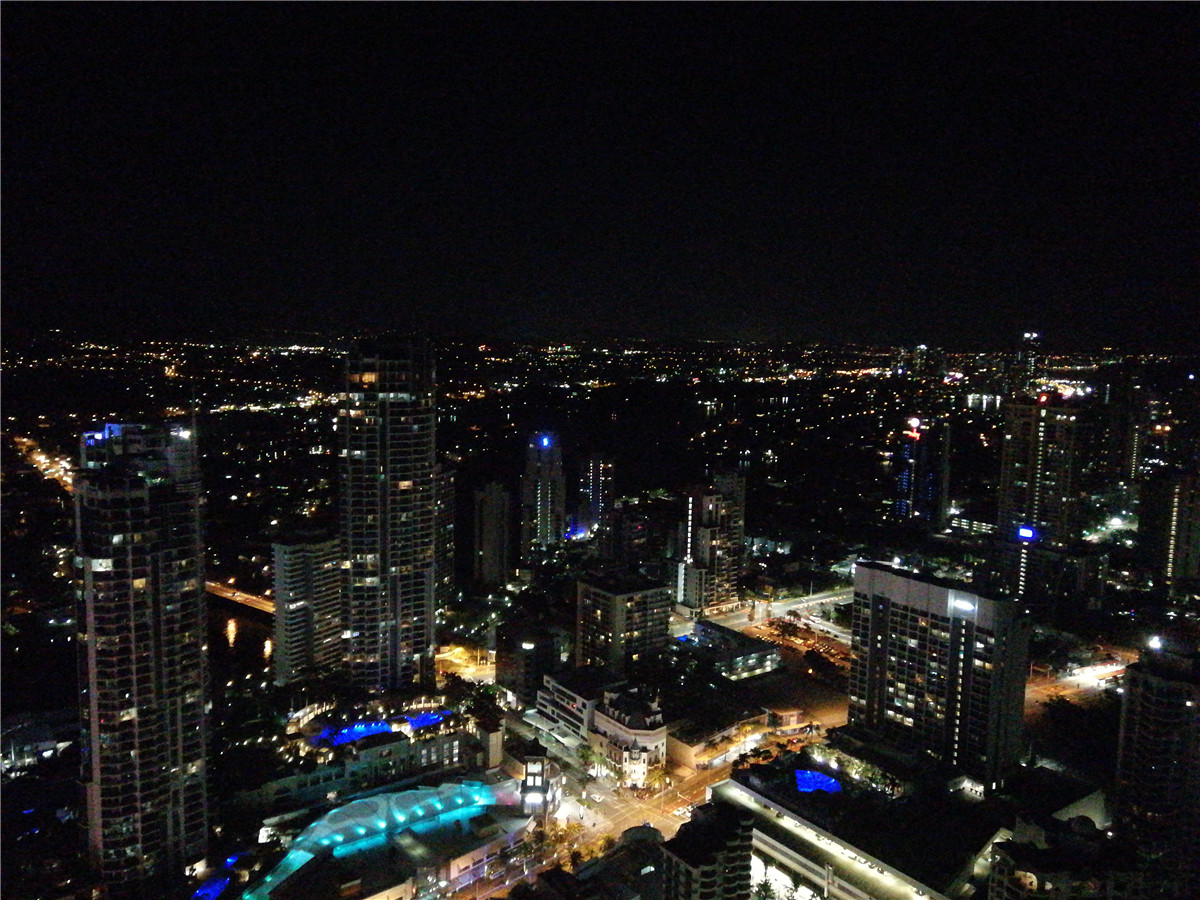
x,y
545,441
1026,533
808,781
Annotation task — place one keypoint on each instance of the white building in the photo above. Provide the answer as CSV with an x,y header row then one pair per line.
x,y
628,730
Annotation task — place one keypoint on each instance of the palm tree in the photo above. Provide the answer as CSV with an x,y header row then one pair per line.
x,y
658,781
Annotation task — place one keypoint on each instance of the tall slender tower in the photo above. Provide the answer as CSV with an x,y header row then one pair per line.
x,y
713,545
543,497
389,480
490,566
143,621
596,494
308,605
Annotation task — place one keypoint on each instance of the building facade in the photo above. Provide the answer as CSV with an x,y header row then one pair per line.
x,y
712,542
1169,529
543,498
387,425
1158,763
627,730
143,634
709,857
595,496
490,564
621,618
938,671
308,606
921,466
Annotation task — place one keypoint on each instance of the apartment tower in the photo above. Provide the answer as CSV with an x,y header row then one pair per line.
x,y
143,622
389,482
938,671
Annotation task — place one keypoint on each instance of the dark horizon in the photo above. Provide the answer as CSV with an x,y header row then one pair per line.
x,y
882,175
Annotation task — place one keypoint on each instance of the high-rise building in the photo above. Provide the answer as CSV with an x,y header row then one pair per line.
x,y
446,586
490,564
525,653
621,618
938,671
709,857
1043,469
308,605
1169,527
143,667
387,425
712,540
595,495
921,464
1046,475
543,498
1158,764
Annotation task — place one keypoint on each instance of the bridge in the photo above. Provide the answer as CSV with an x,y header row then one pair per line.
x,y
254,601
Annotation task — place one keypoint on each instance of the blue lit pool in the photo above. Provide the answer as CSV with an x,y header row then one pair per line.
x,y
808,781
426,718
355,732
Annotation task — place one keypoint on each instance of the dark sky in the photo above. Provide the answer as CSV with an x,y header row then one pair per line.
x,y
952,174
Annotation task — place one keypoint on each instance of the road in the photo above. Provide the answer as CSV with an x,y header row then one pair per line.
x,y
254,601
739,619
56,468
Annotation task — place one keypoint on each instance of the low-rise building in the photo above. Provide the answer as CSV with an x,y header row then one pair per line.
x,y
735,655
567,702
409,845
628,731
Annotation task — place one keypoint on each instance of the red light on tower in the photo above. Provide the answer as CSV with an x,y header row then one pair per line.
x,y
1042,398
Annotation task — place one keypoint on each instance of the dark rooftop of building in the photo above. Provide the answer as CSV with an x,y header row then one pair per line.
x,y
620,581
929,835
590,682
712,829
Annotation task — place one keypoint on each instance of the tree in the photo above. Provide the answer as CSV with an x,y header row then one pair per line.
x,y
763,891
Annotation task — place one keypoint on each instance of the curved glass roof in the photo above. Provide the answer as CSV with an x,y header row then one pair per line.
x,y
368,822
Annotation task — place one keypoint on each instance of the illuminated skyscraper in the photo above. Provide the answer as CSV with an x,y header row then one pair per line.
x,y
387,425
1169,528
308,605
543,498
143,621
596,495
938,670
1047,468
921,464
712,540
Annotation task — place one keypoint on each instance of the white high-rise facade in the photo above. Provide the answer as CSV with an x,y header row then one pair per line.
x,y
143,623
387,426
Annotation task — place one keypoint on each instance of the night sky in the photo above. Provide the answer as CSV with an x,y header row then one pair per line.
x,y
897,173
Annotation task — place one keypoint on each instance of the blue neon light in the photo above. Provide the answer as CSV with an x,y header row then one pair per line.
x,y
211,889
1026,533
232,861
808,781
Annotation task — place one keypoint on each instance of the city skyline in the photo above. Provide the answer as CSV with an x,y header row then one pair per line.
x,y
899,174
